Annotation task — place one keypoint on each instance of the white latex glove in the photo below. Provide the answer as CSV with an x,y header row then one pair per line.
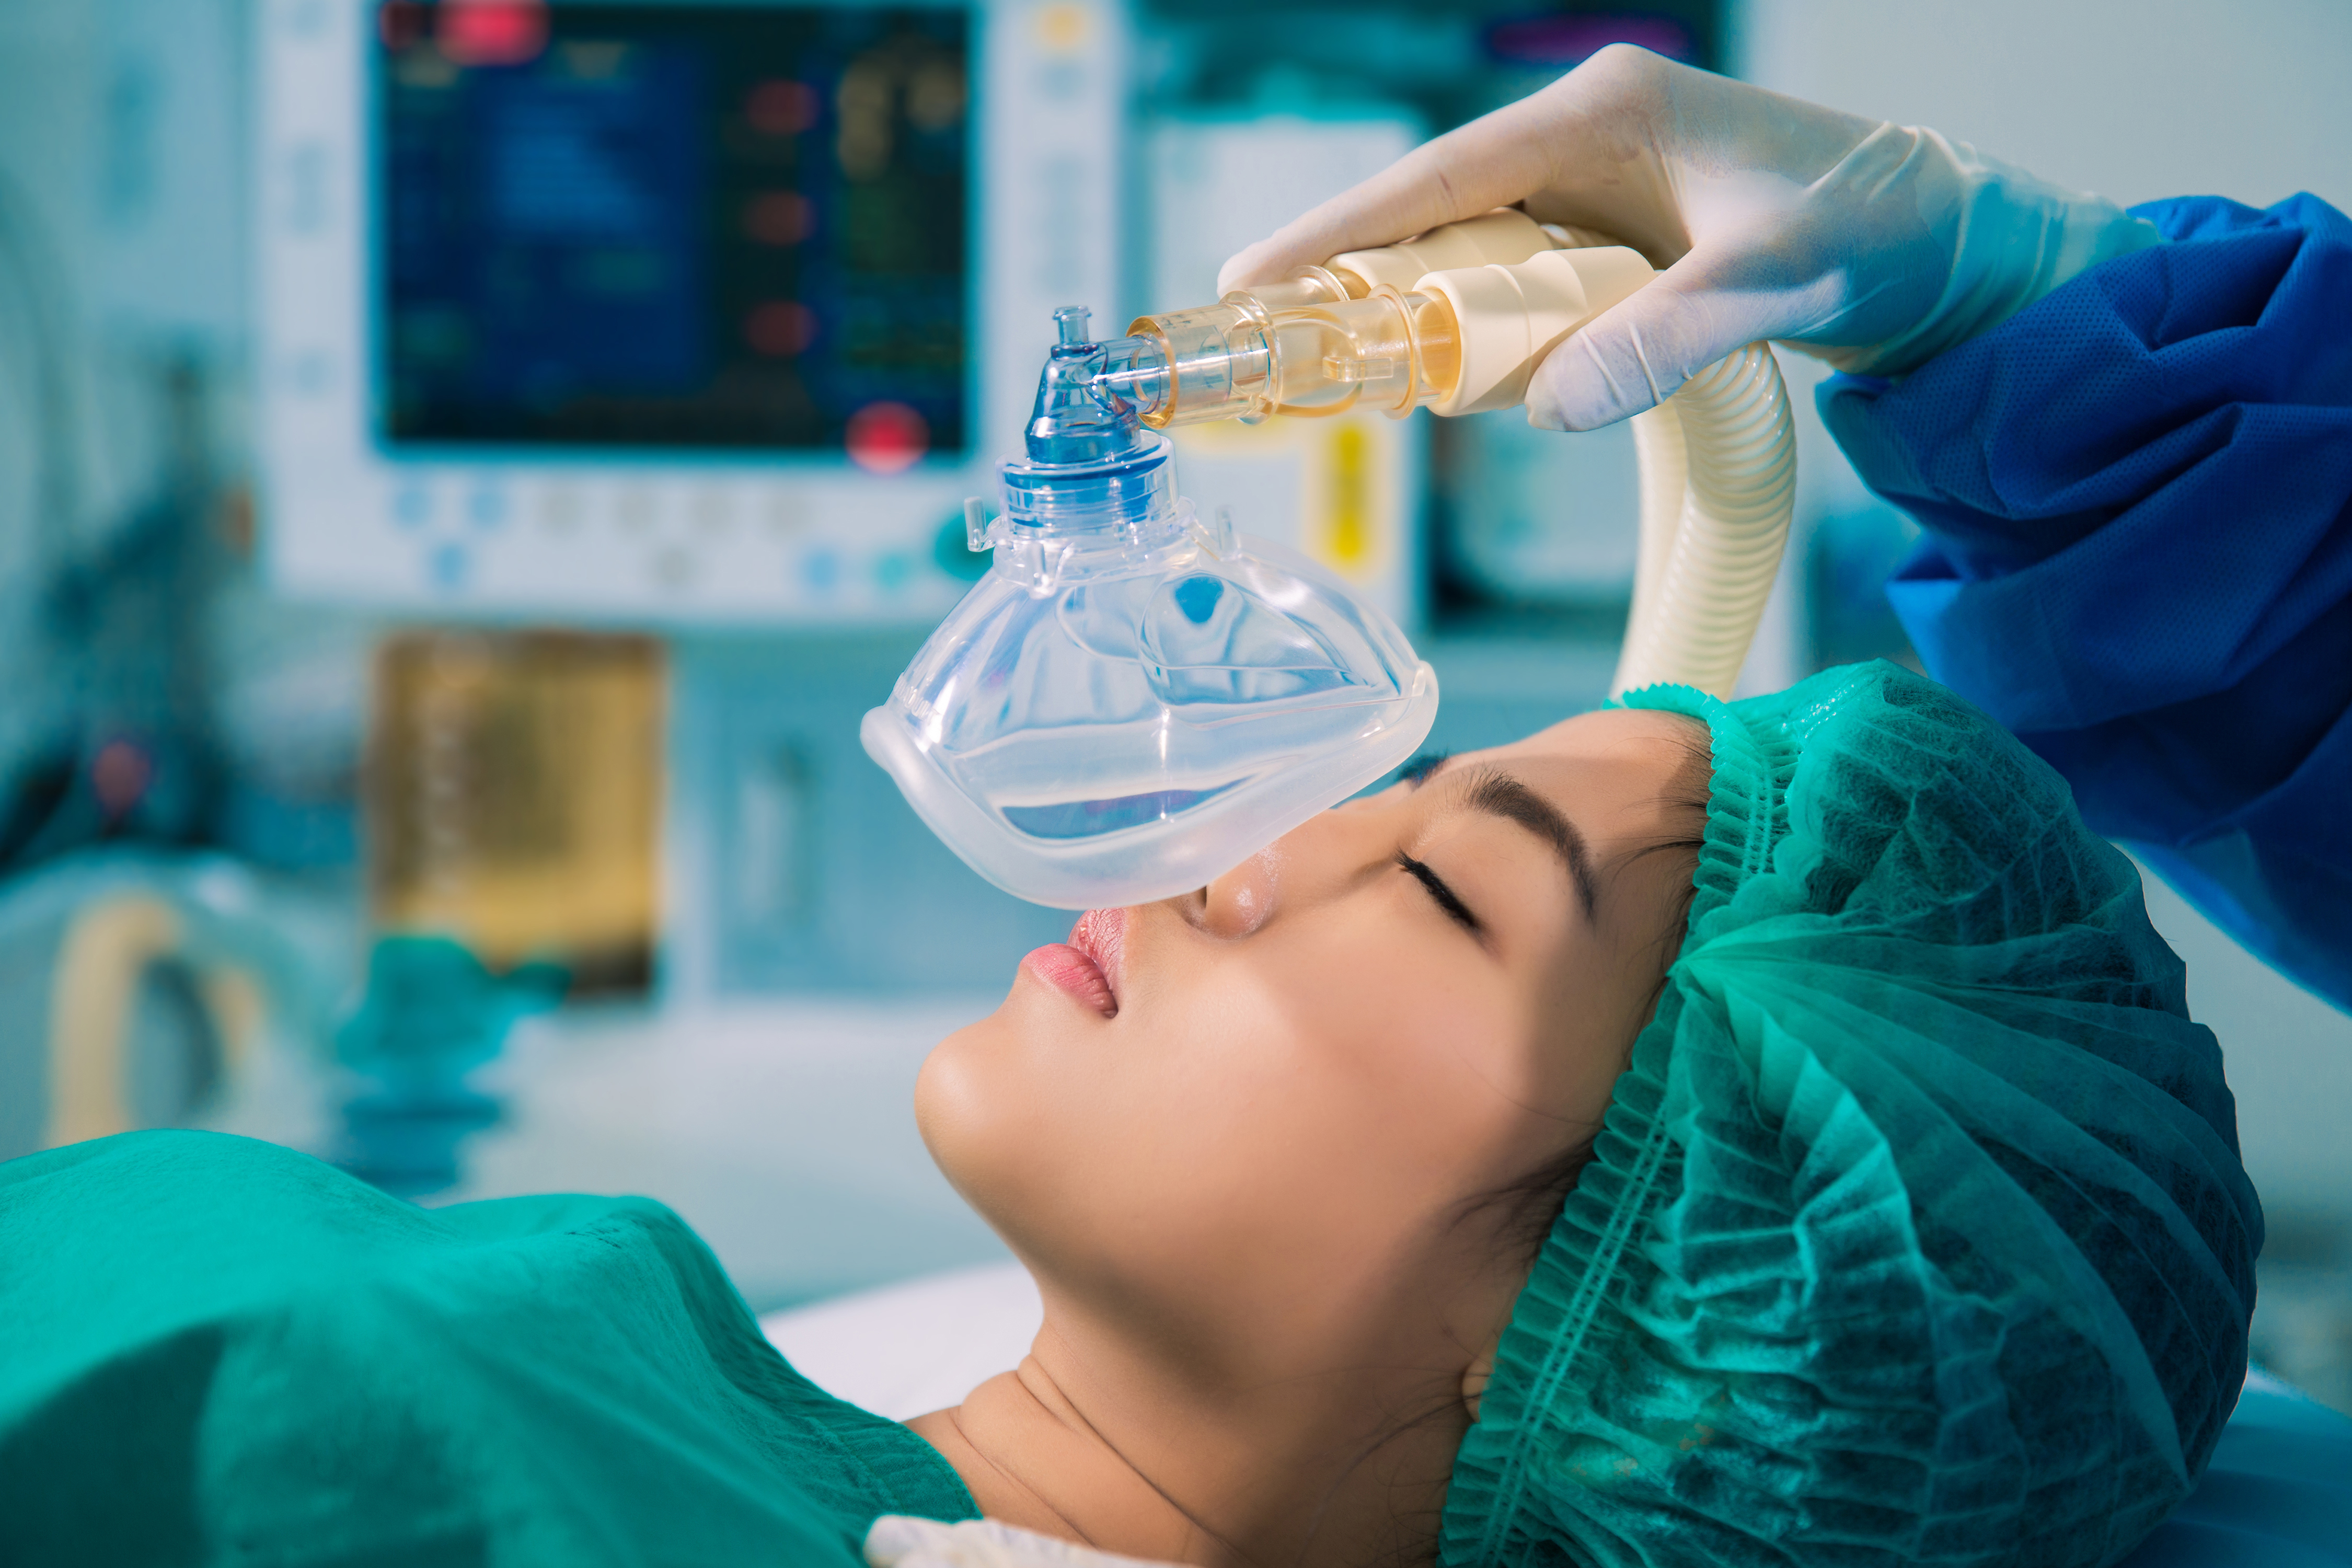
x,y
900,1541
1869,244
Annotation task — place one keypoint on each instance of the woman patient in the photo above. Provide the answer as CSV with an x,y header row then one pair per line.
x,y
1698,1133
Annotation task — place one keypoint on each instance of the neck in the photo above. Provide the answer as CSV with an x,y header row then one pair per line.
x,y
1327,1470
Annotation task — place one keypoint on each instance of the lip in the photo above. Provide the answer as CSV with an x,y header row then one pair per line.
x,y
1101,935
1086,967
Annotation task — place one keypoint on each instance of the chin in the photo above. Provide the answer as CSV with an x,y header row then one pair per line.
x,y
944,1092
991,1129
969,1109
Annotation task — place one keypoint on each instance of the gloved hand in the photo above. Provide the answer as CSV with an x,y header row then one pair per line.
x,y
900,1541
1869,244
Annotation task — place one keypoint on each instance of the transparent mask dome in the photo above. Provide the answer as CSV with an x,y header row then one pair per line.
x,y
1130,702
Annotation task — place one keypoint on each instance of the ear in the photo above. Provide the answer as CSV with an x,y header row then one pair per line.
x,y
1477,1375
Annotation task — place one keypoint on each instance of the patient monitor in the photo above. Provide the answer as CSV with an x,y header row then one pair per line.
x,y
663,312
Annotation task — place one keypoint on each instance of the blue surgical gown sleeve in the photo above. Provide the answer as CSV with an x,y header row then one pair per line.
x,y
2137,499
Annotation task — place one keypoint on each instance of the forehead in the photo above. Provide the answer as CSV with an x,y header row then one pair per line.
x,y
1635,739
1614,769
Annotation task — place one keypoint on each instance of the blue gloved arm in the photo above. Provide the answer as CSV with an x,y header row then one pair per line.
x,y
2137,493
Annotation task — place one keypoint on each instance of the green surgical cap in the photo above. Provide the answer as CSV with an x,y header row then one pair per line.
x,y
1917,1231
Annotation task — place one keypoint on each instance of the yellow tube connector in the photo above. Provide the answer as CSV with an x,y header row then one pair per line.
x,y
1507,318
1480,303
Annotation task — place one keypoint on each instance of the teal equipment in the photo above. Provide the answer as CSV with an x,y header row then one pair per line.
x,y
431,1014
1917,1230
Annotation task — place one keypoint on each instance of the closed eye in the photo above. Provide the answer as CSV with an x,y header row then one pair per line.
x,y
1455,910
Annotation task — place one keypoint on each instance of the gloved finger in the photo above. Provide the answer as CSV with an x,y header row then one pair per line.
x,y
1634,354
1583,151
1488,164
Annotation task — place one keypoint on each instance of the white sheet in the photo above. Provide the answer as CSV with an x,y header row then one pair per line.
x,y
906,1348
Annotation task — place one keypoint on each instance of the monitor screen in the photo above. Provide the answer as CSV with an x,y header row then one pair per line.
x,y
717,227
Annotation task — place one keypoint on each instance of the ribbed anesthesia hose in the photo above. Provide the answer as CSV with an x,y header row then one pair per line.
x,y
1719,484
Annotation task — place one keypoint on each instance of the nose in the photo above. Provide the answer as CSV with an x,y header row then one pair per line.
x,y
1321,855
1243,899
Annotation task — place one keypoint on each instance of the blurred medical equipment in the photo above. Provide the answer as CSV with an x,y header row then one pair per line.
x,y
1131,701
432,1013
152,990
788,866
117,723
513,787
514,797
684,312
1533,523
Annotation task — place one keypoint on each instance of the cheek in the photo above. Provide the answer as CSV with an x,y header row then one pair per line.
x,y
1407,1072
1307,1114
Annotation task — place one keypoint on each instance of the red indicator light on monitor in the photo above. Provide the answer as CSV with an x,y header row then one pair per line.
x,y
491,32
778,217
887,438
780,328
780,108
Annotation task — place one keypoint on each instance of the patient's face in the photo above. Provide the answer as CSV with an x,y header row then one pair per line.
x,y
1268,1140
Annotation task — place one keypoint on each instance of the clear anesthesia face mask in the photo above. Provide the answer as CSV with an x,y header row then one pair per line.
x,y
1131,701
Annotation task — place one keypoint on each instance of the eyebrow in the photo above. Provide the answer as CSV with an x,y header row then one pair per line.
x,y
1498,793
